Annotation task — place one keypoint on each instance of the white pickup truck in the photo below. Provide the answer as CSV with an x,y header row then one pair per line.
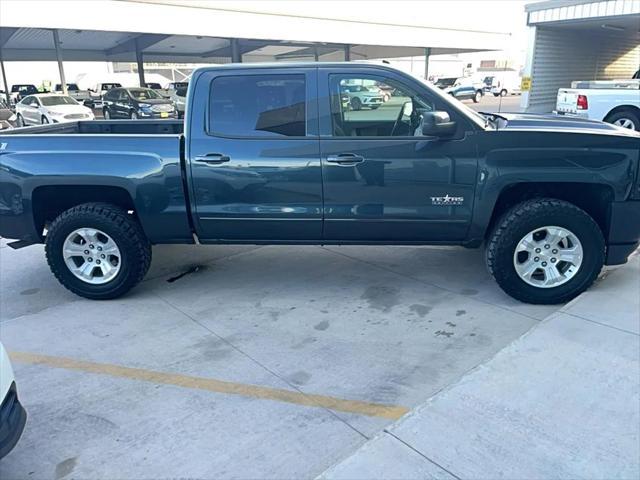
x,y
615,101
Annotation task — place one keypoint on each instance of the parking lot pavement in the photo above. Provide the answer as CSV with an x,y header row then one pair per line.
x,y
242,361
563,401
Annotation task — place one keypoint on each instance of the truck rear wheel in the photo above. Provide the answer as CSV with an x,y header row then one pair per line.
x,y
97,251
545,251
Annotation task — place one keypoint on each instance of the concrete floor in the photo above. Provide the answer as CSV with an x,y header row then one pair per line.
x,y
264,362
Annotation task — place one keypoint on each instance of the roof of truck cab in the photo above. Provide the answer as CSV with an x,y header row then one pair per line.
x,y
295,65
273,65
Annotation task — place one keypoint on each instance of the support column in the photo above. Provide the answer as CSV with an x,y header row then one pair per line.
x,y
140,62
4,81
236,56
63,80
427,54
316,55
347,53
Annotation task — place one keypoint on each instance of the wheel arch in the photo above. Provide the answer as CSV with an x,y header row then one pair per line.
x,y
622,108
593,198
49,201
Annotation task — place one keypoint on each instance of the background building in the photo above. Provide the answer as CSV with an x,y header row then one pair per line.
x,y
578,40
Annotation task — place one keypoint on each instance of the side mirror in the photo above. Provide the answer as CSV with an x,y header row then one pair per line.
x,y
437,124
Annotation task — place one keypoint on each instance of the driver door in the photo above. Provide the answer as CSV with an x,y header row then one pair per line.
x,y
382,180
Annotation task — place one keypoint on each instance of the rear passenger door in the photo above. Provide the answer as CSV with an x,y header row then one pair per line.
x,y
255,161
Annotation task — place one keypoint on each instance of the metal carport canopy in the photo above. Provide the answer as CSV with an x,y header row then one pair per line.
x,y
187,31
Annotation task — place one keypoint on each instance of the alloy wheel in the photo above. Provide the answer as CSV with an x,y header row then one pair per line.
x,y
92,256
548,257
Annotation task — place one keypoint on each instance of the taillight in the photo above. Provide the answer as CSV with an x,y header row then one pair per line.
x,y
582,103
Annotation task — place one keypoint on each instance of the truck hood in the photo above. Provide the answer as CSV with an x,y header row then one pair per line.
x,y
533,122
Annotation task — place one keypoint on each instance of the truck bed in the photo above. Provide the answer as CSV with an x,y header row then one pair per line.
x,y
139,160
97,127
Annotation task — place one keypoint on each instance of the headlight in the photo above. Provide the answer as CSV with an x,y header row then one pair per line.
x,y
144,105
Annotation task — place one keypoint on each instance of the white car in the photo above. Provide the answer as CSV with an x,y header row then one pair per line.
x,y
613,101
50,108
361,96
506,83
12,415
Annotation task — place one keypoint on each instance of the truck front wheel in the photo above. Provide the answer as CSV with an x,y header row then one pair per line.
x,y
97,251
545,251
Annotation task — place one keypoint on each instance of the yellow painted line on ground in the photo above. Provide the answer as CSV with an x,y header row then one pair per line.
x,y
392,412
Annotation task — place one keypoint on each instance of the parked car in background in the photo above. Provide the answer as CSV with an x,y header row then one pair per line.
x,y
135,103
361,96
506,83
19,91
268,156
7,117
13,416
176,85
46,108
178,97
99,91
614,101
158,88
461,88
81,96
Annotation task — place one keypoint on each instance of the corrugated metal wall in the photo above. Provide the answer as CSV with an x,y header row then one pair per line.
x,y
564,55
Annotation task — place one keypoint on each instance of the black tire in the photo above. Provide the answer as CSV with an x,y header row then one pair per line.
x,y
44,120
20,121
526,217
628,115
477,96
503,93
356,104
106,114
134,248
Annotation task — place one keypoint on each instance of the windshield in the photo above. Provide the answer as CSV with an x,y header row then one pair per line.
x,y
109,86
176,85
52,101
72,87
23,88
144,94
155,86
445,82
477,117
181,92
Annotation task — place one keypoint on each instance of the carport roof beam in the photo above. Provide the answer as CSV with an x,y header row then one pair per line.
x,y
63,81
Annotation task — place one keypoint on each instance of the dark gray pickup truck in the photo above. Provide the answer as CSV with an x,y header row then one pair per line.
x,y
277,154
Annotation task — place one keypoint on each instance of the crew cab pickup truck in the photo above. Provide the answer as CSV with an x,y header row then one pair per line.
x,y
269,154
613,101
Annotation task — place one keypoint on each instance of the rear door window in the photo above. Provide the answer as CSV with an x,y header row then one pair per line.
x,y
258,106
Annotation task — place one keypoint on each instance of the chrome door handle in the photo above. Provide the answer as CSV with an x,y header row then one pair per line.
x,y
345,159
212,158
